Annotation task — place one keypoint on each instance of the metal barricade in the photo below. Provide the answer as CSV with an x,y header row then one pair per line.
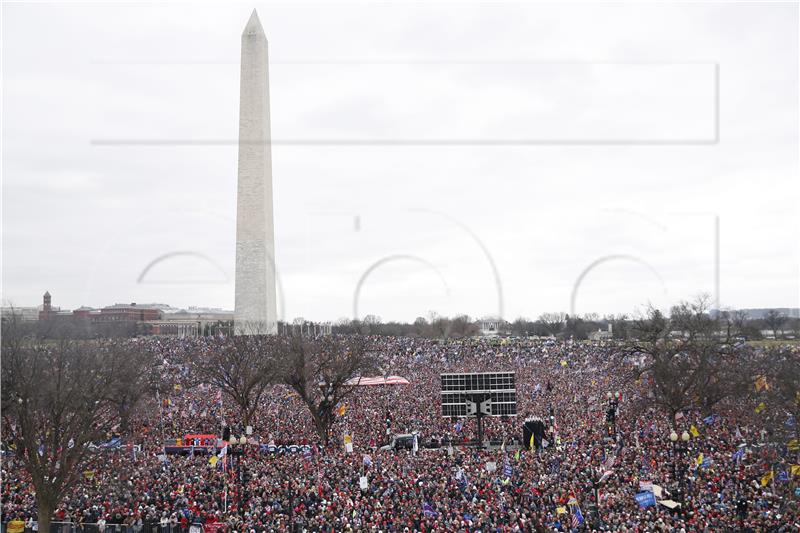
x,y
93,527
62,527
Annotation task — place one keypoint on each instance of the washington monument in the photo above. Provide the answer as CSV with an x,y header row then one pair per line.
x,y
255,236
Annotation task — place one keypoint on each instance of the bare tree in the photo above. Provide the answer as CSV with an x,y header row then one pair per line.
x,y
318,369
55,403
697,368
693,320
136,376
242,367
781,368
553,322
774,320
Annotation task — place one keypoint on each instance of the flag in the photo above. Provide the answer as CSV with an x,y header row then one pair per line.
x,y
738,454
761,383
342,410
516,455
507,470
428,510
707,462
213,460
710,419
461,478
415,447
577,516
795,470
760,407
694,431
793,445
532,442
223,452
563,362
767,478
699,460
645,499
561,510
783,476
610,461
367,460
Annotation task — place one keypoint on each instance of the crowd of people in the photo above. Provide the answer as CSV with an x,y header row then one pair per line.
x,y
592,472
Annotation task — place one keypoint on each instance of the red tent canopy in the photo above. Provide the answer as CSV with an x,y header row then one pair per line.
x,y
389,380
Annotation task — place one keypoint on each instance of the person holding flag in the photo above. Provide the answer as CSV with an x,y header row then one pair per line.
x,y
576,518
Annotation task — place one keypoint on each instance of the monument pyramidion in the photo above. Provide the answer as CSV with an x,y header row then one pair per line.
x,y
255,308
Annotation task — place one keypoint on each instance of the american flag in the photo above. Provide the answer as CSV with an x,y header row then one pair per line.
x,y
577,516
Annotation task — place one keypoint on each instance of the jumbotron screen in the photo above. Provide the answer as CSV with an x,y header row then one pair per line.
x,y
500,387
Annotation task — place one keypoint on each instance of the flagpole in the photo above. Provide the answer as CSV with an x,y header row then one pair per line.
x,y
161,420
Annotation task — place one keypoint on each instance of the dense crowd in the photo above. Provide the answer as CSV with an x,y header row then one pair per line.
x,y
733,474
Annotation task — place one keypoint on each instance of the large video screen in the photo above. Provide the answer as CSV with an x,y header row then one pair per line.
x,y
500,387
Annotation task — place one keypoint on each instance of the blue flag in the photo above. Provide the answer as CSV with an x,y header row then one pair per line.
x,y
461,477
738,454
577,516
645,499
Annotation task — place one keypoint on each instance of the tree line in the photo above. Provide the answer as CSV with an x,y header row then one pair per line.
x,y
60,397
561,325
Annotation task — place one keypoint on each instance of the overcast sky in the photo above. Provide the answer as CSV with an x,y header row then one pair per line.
x,y
462,157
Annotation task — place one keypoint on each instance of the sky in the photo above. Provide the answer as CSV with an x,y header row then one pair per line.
x,y
483,158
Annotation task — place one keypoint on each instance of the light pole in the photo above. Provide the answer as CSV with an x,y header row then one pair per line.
x,y
387,420
326,405
679,449
611,412
239,446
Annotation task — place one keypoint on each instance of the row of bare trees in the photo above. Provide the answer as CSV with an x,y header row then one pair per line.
x,y
316,369
61,396
692,359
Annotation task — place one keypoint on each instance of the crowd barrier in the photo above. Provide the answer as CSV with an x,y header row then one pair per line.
x,y
73,527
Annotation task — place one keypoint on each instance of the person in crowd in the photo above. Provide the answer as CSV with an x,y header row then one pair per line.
x,y
585,476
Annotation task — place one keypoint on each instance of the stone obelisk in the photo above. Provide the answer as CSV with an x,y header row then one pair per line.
x,y
255,311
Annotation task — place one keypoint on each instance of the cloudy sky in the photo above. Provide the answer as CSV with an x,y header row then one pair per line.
x,y
482,158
